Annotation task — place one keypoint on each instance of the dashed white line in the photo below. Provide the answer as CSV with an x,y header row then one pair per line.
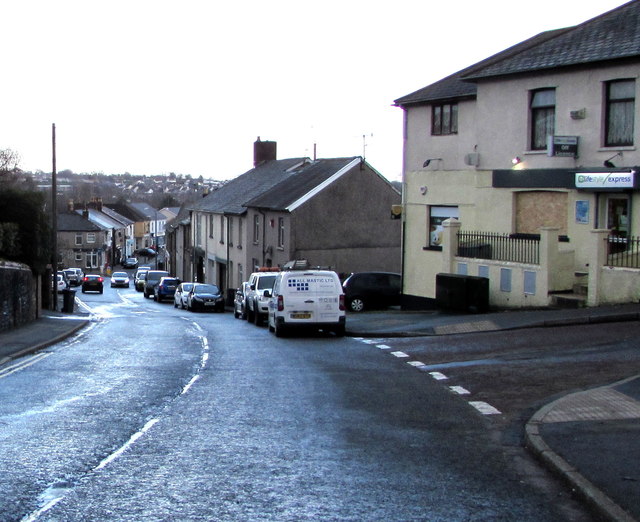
x,y
399,354
383,346
417,364
485,408
438,376
459,390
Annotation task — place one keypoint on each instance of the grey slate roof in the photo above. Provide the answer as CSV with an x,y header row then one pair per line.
x,y
72,222
455,87
232,197
614,35
302,182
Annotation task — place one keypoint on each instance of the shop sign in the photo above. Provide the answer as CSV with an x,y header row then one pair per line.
x,y
605,179
566,146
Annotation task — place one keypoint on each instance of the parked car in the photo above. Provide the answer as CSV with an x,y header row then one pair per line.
x,y
306,300
138,280
147,252
180,297
240,301
120,279
151,280
92,283
130,262
74,276
61,283
257,304
204,296
368,290
165,288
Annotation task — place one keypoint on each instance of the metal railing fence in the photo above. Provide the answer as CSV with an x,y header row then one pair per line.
x,y
517,248
623,251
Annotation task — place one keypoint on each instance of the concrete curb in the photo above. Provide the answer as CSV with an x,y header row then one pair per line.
x,y
592,495
42,345
546,323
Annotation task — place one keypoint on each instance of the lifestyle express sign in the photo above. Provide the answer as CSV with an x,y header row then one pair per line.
x,y
608,180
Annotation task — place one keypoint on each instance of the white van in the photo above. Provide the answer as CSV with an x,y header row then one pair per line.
x,y
307,299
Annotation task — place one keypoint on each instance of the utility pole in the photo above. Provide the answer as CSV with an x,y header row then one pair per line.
x,y
54,221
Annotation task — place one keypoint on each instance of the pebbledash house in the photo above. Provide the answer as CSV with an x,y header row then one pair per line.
x,y
522,170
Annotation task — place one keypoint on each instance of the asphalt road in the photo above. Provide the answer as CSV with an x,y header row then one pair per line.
x,y
154,413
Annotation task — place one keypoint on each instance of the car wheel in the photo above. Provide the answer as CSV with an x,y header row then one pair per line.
x,y
101,290
249,315
278,329
257,318
356,304
340,331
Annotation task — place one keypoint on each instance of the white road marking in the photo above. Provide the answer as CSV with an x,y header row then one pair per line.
x,y
128,444
417,364
438,376
485,408
459,390
383,346
21,365
399,354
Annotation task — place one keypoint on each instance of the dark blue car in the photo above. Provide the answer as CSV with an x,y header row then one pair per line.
x,y
166,288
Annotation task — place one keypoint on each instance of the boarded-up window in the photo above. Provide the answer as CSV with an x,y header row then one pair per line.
x,y
541,209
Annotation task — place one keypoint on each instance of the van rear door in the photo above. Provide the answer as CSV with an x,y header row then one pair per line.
x,y
311,298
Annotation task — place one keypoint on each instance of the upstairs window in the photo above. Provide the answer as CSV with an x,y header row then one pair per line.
x,y
281,232
620,108
543,116
256,228
444,119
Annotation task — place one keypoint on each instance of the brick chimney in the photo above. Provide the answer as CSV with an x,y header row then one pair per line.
x,y
263,151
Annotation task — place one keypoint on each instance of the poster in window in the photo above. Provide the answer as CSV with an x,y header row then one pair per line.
x,y
582,212
437,215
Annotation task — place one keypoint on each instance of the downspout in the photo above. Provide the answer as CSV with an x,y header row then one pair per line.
x,y
264,236
227,275
404,203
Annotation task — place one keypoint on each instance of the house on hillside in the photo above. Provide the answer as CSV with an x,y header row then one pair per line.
x,y
333,212
119,229
81,243
535,147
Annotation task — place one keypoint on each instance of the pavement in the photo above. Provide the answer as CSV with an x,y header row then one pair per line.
x,y
591,438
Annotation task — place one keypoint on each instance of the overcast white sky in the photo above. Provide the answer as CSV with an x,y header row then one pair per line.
x,y
155,86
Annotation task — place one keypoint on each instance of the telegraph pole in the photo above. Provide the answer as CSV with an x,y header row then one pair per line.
x,y
54,221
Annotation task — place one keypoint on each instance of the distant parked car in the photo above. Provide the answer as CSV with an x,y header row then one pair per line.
x,y
240,301
205,297
180,297
138,281
130,262
257,304
151,280
120,279
166,288
61,283
147,252
92,283
367,290
74,276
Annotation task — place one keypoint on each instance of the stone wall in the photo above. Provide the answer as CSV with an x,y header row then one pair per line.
x,y
18,290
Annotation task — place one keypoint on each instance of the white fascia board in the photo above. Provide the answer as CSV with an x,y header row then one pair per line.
x,y
323,185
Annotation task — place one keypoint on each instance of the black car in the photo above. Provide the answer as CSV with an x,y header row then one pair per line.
x,y
364,290
205,297
130,262
92,283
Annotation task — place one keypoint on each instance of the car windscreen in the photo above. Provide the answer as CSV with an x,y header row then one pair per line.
x,y
120,274
207,289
